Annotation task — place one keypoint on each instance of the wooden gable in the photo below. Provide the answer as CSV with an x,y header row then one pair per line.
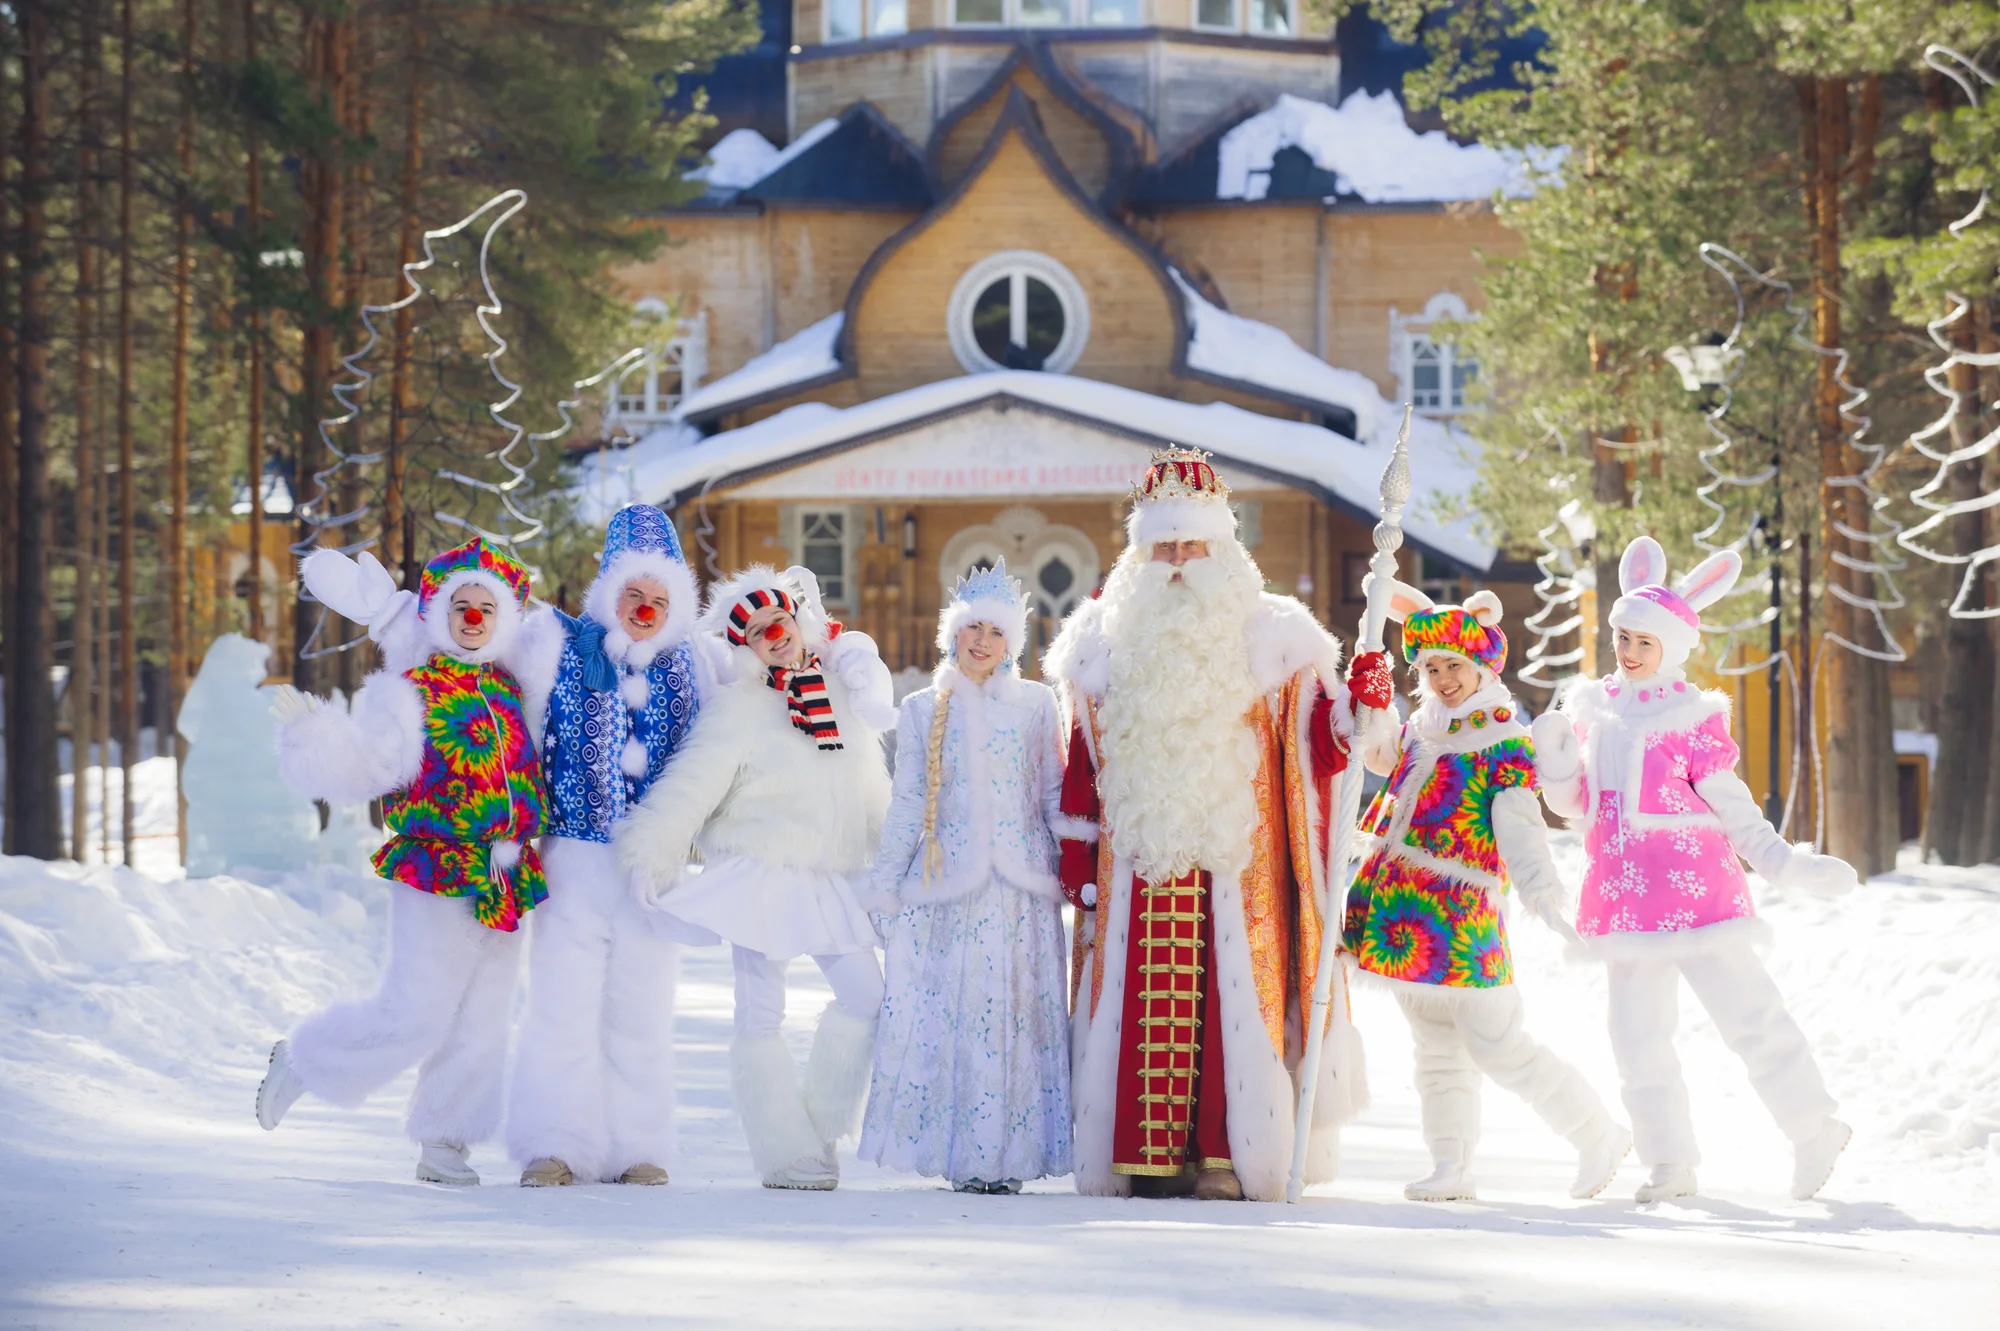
x,y
1014,195
1095,149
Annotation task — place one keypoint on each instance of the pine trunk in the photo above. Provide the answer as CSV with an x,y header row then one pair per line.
x,y
1860,801
177,441
128,618
321,177
1955,827
9,438
34,803
402,399
81,692
253,461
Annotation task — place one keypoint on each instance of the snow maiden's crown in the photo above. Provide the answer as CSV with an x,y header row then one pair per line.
x,y
1180,498
1670,613
986,594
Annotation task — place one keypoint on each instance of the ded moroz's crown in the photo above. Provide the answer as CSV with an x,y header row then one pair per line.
x,y
1180,498
1180,473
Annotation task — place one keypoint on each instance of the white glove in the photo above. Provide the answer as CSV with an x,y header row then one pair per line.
x,y
1552,910
289,705
855,658
650,892
1556,754
1825,876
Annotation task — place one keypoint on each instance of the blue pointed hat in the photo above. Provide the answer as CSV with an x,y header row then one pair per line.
x,y
643,528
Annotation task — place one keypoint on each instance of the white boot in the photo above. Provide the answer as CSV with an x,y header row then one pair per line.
x,y
1667,1182
280,1088
1449,1179
1598,1162
784,1146
444,1162
1812,1159
843,1056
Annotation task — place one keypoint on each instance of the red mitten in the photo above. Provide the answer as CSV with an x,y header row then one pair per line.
x,y
1078,871
1371,680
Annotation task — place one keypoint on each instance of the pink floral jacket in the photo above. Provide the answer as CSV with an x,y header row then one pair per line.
x,y
1664,816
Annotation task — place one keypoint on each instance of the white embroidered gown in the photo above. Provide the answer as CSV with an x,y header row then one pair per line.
x,y
971,1076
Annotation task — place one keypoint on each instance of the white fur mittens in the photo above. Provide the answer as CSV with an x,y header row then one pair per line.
x,y
1824,876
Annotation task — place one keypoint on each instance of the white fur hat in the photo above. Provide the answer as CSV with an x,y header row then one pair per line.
x,y
986,594
1671,614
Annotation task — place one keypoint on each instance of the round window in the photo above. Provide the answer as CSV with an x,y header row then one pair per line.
x,y
1018,310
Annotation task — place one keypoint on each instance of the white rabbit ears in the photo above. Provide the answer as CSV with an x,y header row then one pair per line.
x,y
1644,564
1405,600
1711,580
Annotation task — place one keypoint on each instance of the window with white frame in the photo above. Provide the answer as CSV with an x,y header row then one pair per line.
x,y
851,20
1216,14
675,363
1432,374
1017,310
1045,13
823,549
1263,18
1271,18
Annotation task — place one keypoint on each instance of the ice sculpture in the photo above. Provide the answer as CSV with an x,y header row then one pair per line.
x,y
240,812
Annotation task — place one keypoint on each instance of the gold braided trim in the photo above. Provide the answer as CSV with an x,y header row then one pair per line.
x,y
1148,1171
1166,1099
1216,1162
1163,1150
1171,968
1150,890
1173,942
1191,916
1168,1047
1169,996
1170,1021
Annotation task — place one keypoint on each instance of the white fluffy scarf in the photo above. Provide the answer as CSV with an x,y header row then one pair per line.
x,y
1179,764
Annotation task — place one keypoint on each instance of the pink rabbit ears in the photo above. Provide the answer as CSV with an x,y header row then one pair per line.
x,y
1645,565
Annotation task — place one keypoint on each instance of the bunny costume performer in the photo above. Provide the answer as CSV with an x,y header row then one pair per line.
x,y
1645,767
781,789
441,735
592,1093
972,1062
1455,826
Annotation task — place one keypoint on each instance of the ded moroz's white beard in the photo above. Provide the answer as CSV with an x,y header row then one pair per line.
x,y
1179,764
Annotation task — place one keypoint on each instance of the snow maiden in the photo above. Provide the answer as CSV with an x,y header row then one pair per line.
x,y
780,789
611,696
1644,763
441,737
972,1061
1455,826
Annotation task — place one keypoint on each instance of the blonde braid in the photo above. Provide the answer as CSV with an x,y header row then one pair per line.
x,y
934,770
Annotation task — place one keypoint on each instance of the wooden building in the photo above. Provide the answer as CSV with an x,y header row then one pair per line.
x,y
1013,246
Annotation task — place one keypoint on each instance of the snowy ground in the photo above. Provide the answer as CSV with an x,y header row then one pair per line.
x,y
135,1014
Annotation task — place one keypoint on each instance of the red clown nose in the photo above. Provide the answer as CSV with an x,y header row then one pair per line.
x,y
644,614
773,632
473,619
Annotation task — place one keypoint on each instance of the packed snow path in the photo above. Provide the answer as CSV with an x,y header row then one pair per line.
x,y
135,1016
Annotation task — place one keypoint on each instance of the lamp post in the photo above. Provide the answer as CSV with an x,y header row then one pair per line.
x,y
1709,365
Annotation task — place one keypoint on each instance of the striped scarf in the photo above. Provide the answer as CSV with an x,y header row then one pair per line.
x,y
805,698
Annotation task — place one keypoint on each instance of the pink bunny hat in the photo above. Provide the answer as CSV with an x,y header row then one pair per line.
x,y
1670,613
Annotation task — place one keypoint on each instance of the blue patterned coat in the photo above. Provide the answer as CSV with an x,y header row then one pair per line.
x,y
587,730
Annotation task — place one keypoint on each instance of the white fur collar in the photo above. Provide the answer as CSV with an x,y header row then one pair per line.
x,y
1001,686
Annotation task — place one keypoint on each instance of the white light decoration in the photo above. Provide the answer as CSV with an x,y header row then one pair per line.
x,y
1961,70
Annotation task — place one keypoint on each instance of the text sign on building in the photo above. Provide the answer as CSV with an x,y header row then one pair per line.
x,y
981,455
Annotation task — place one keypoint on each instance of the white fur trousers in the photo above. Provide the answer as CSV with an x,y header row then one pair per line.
x,y
1748,1011
783,1120
593,1082
445,997
1461,1037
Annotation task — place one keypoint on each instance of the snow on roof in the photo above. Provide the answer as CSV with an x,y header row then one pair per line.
x,y
1234,347
1368,144
742,157
671,463
806,355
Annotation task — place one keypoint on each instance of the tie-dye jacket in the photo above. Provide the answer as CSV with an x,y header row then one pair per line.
x,y
1425,908
480,784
